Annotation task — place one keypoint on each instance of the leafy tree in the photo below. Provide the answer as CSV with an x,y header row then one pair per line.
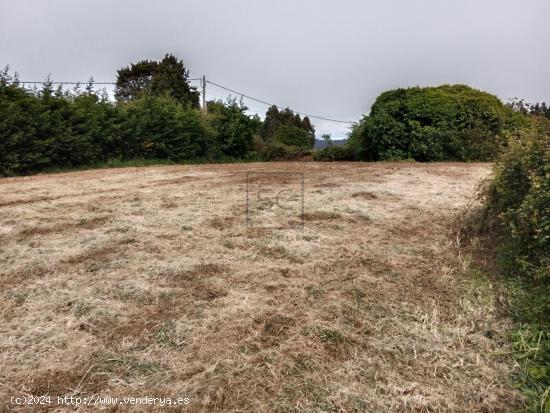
x,y
327,139
160,128
292,136
234,129
276,119
271,122
166,77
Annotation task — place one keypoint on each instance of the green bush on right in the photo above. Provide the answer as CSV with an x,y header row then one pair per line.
x,y
449,122
518,202
517,221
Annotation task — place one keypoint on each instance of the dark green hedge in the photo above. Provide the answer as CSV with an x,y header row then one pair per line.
x,y
50,129
518,202
517,220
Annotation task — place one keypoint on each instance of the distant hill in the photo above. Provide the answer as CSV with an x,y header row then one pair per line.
x,y
320,144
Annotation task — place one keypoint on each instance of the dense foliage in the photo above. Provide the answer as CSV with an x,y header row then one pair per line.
x,y
449,122
276,119
167,77
56,129
292,136
335,153
519,201
235,130
517,223
275,151
160,128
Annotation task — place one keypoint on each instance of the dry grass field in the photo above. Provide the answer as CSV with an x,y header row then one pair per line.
x,y
149,282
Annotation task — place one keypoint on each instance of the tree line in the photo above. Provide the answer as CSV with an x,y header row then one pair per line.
x,y
156,115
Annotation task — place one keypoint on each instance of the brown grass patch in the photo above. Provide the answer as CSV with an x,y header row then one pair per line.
x,y
85,223
319,216
221,223
364,195
339,315
327,185
95,254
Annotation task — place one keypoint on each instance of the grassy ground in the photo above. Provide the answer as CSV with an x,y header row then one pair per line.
x,y
148,282
524,300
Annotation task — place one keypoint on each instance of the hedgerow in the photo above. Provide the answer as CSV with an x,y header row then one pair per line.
x,y
517,223
51,129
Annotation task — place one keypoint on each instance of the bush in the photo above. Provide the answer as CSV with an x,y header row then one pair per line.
x,y
53,129
292,136
517,219
235,131
335,153
518,202
450,122
159,127
275,151
47,129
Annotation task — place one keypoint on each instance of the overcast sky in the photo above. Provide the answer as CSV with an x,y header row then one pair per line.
x,y
328,58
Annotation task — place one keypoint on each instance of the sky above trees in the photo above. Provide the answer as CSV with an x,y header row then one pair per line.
x,y
321,57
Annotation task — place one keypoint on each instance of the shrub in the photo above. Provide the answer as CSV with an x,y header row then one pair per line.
x,y
335,153
50,129
159,127
518,202
518,210
435,123
275,151
234,129
292,136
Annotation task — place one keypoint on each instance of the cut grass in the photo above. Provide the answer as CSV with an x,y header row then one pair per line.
x,y
526,302
172,294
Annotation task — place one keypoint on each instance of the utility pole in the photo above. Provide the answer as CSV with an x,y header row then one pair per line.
x,y
204,107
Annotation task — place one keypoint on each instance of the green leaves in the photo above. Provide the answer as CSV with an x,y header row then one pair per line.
x,y
167,77
41,130
452,122
275,119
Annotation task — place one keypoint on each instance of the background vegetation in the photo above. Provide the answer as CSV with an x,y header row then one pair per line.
x,y
449,122
515,225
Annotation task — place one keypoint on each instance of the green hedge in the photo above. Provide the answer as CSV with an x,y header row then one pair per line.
x,y
517,217
519,201
53,129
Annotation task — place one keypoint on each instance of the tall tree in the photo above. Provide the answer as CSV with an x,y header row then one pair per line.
x,y
271,123
166,77
275,119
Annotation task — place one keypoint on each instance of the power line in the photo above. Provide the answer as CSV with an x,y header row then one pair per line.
x,y
279,107
75,83
66,83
